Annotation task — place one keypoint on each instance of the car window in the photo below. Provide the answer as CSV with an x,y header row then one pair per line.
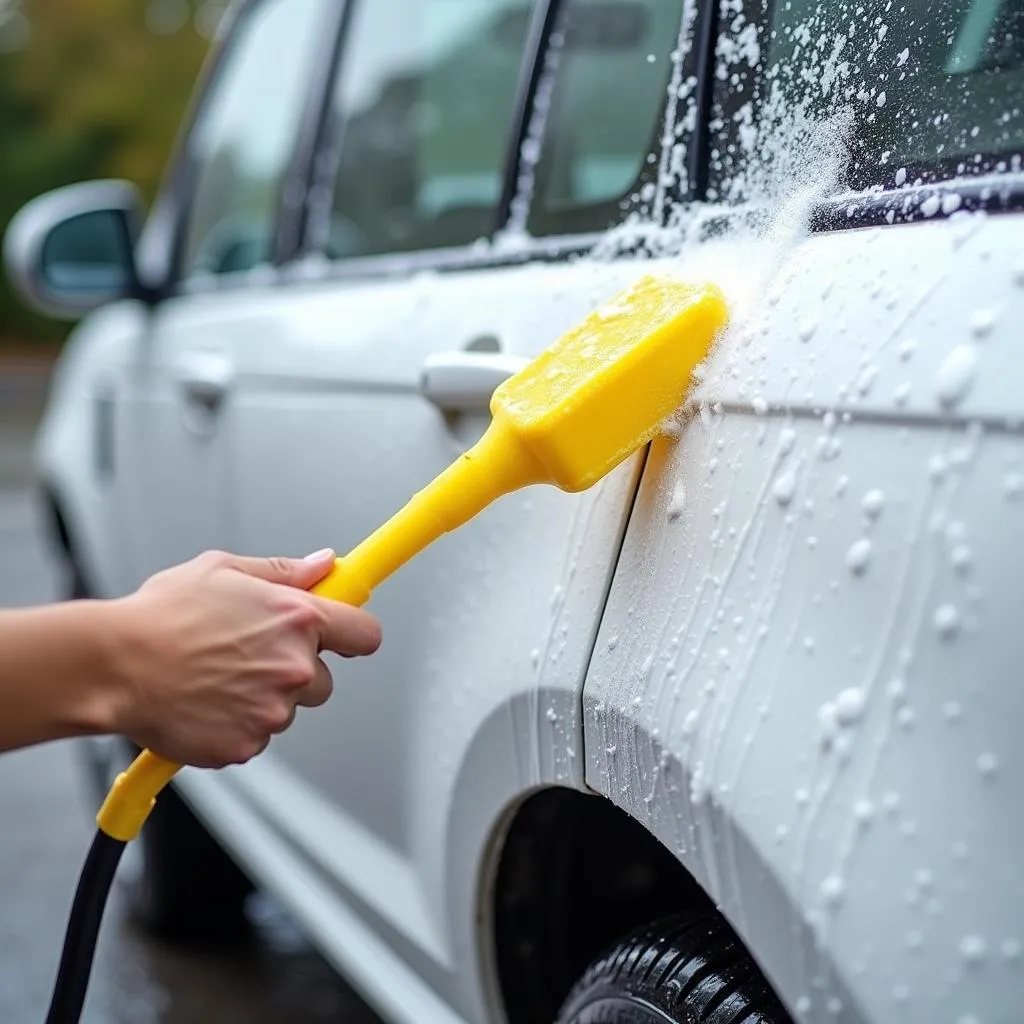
x,y
605,112
420,124
245,136
931,90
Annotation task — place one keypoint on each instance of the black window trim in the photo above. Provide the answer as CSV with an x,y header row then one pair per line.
x,y
310,265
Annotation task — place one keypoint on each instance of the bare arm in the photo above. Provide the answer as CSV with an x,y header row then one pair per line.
x,y
203,664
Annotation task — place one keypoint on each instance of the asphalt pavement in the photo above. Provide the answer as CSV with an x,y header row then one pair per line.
x,y
45,827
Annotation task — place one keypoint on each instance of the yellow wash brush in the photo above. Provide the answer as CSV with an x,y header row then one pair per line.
x,y
568,418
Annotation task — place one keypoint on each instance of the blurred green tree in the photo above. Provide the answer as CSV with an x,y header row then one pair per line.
x,y
90,89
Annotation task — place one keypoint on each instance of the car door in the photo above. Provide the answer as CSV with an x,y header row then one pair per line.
x,y
174,438
819,714
369,378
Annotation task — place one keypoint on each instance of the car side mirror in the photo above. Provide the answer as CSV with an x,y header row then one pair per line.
x,y
72,250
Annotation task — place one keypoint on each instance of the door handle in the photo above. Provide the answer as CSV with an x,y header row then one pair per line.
x,y
465,381
205,379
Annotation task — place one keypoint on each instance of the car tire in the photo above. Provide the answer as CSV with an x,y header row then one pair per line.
x,y
180,884
187,889
682,970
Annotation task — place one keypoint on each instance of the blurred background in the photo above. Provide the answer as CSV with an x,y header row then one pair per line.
x,y
94,89
89,89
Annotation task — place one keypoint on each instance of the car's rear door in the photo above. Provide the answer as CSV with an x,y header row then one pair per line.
x,y
821,714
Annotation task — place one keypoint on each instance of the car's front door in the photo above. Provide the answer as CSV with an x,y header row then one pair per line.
x,y
175,435
487,632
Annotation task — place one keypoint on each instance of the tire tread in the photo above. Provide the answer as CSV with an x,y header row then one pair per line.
x,y
691,968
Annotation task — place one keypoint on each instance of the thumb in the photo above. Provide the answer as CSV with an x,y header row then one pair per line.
x,y
301,573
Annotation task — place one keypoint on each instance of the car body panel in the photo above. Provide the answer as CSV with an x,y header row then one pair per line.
x,y
474,696
804,678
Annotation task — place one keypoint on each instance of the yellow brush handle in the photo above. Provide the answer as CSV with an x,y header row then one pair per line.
x,y
134,792
495,465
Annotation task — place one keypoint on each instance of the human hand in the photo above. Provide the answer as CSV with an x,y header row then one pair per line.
x,y
215,655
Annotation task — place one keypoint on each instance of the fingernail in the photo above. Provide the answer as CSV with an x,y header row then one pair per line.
x,y
319,556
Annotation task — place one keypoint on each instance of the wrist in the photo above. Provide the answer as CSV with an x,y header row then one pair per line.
x,y
107,696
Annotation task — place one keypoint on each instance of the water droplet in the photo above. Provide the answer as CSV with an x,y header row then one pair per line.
x,y
901,993
946,621
956,375
936,468
859,556
787,440
864,811
960,558
1010,949
923,878
807,329
535,657
872,503
982,321
759,405
905,717
809,644
802,796
1013,485
930,206
829,448
951,203
880,100
890,802
834,1005
973,948
987,764
952,710
678,501
902,393
968,1018
803,1005
849,705
901,174
832,890
901,58
552,715
785,487
914,939
841,484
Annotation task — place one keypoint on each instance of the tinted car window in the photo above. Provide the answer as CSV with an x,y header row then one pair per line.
x,y
420,124
605,112
931,90
245,136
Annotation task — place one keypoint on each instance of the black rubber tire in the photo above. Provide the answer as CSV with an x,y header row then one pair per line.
x,y
186,889
682,970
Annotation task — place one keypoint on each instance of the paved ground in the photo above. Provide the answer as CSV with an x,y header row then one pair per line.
x,y
45,828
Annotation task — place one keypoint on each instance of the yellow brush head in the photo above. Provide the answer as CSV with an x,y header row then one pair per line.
x,y
601,391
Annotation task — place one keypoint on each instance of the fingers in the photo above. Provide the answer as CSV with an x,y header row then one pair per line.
x,y
316,692
302,573
346,630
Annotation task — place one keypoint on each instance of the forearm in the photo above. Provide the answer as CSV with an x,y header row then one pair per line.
x,y
59,672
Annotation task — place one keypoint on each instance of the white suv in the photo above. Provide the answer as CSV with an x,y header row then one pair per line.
x,y
734,737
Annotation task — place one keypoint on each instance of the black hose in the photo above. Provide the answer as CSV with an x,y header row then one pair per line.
x,y
83,927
